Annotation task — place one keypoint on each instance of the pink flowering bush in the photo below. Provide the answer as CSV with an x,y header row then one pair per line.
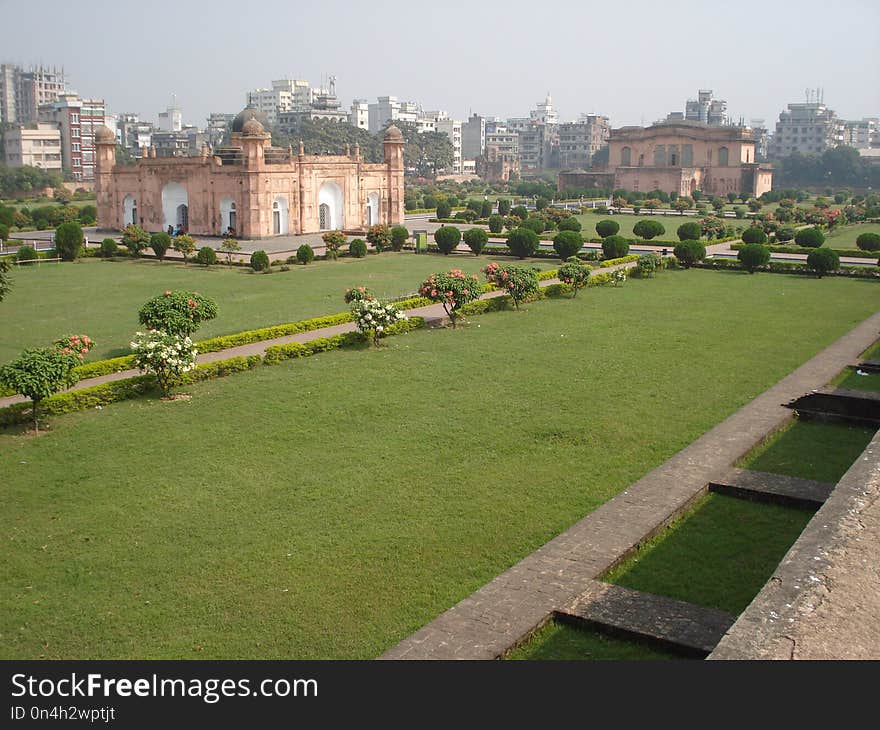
x,y
519,282
575,275
76,346
357,294
452,289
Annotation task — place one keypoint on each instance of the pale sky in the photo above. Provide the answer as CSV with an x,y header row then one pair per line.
x,y
633,61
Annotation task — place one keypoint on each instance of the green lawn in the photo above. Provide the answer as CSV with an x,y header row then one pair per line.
x,y
331,506
627,221
719,555
810,450
852,380
845,236
102,298
44,202
558,640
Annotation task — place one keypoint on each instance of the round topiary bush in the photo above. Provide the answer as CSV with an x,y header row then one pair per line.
x,y
809,238
522,242
160,243
259,261
25,254
569,224
614,247
476,240
68,241
496,223
785,233
690,231
447,239
206,256
649,229
357,248
754,235
753,255
823,261
689,252
567,243
444,209
868,241
536,224
399,236
304,254
108,248
607,228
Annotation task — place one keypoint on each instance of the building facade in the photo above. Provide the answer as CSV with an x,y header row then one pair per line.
x,y
134,134
77,119
501,158
706,109
359,115
252,188
37,145
808,128
473,137
452,129
22,93
579,141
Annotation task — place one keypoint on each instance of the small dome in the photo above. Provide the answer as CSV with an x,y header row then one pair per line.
x,y
393,134
249,113
252,128
105,134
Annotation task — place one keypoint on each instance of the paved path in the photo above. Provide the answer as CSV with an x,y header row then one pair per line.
x,y
492,620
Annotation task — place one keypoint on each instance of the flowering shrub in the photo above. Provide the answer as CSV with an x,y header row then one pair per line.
x,y
618,277
185,245
167,356
373,318
452,289
135,239
379,236
518,281
575,275
358,294
177,312
647,264
77,346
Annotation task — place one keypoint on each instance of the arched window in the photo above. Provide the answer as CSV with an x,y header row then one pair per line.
x,y
626,157
129,210
723,156
279,216
324,216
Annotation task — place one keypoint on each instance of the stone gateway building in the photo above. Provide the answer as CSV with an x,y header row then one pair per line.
x,y
250,188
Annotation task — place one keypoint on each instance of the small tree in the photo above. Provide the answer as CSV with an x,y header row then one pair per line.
x,y
373,318
519,282
379,236
496,223
868,241
305,255
444,209
752,256
809,238
522,242
754,205
177,312
160,243
569,224
503,206
575,275
206,256
520,211
649,229
536,224
259,261
690,231
168,356
785,234
68,241
681,205
607,228
567,244
486,209
5,279
399,237
754,235
452,289
614,247
447,238
689,252
185,245
26,254
135,239
823,261
647,265
229,247
476,240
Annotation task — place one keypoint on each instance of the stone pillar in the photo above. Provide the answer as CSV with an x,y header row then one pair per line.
x,y
105,154
394,166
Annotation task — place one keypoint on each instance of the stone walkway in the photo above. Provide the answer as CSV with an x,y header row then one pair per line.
x,y
778,488
667,621
491,621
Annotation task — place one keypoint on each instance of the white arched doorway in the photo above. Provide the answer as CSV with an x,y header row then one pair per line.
x,y
330,207
279,216
228,215
129,211
175,205
373,209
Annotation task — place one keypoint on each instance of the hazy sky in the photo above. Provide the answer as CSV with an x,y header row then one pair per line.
x,y
634,61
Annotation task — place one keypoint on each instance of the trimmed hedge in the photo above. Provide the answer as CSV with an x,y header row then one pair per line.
x,y
790,267
854,252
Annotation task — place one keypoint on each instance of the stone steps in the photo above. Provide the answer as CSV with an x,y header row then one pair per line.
x,y
777,488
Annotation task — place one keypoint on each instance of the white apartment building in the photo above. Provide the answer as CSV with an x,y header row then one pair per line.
x,y
360,114
285,95
389,109
37,145
171,120
808,128
452,129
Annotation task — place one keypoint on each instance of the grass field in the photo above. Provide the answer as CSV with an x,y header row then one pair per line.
x,y
329,507
627,221
845,236
102,298
560,641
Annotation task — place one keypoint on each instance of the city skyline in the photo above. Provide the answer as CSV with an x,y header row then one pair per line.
x,y
635,77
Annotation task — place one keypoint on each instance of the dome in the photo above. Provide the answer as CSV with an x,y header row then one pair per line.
x,y
393,134
105,135
252,128
249,113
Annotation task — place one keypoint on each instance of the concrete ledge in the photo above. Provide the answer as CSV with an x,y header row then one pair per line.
x,y
823,601
765,487
695,630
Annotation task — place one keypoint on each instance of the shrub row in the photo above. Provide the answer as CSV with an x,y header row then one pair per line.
x,y
854,252
790,267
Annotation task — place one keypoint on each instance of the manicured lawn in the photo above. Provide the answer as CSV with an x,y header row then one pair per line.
x,y
561,641
102,298
719,555
627,221
852,380
845,236
331,506
811,450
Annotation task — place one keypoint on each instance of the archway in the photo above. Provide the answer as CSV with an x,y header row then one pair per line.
x,y
175,205
373,209
330,195
129,210
280,216
228,217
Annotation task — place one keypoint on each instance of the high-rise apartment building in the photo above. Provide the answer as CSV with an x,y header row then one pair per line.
x,y
134,134
77,119
473,137
36,145
808,128
862,134
284,96
360,114
580,140
706,109
22,93
452,129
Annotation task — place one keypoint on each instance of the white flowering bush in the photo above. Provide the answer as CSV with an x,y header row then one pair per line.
x,y
618,277
167,356
373,318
